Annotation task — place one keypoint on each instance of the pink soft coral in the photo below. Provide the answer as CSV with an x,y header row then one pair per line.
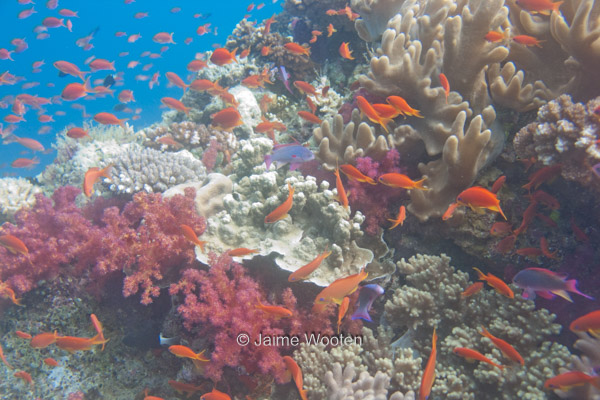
x,y
220,304
374,200
143,240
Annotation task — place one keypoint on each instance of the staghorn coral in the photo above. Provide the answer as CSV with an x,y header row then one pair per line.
x,y
136,168
564,133
432,298
16,193
341,386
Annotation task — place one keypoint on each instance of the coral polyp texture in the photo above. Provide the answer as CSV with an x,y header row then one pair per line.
x,y
564,133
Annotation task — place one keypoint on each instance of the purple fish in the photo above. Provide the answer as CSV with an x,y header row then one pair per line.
x,y
368,294
546,283
285,77
294,154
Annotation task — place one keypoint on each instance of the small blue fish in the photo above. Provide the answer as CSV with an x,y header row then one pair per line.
x,y
368,294
546,283
294,154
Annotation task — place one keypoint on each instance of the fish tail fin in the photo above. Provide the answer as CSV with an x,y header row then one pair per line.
x,y
417,113
572,287
556,6
419,184
233,54
480,275
303,394
485,332
122,122
268,161
105,172
361,313
563,294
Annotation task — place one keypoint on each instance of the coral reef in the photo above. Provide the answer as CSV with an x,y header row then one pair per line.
x,y
564,133
209,193
16,193
101,241
316,220
342,387
137,168
588,363
221,303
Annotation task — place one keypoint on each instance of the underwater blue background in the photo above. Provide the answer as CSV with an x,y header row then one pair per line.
x,y
109,16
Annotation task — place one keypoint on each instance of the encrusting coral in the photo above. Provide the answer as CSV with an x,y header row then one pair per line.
x,y
564,133
16,193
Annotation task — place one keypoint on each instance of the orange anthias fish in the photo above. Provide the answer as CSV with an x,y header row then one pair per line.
x,y
303,272
342,311
471,290
504,347
222,56
3,358
296,375
13,244
182,387
345,51
91,177
276,311
429,373
177,81
190,235
472,355
338,289
571,379
542,175
310,117
306,88
445,85
497,283
354,174
175,105
367,109
215,395
7,293
399,219
73,343
25,376
227,119
589,323
105,118
98,327
295,48
341,192
527,40
397,180
241,252
402,106
185,352
450,211
478,198
51,362
43,340
539,6
495,36
282,210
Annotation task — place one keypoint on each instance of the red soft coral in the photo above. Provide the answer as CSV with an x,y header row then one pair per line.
x,y
220,304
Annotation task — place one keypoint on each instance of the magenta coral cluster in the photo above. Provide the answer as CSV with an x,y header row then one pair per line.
x,y
374,200
143,240
221,303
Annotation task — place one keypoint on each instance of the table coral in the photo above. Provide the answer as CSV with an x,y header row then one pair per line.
x,y
564,133
220,304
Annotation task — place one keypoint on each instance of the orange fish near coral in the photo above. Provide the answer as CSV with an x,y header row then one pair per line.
x,y
310,117
182,387
504,347
241,252
190,235
175,105
306,87
527,40
539,6
186,352
342,311
341,192
43,340
7,293
497,283
25,376
472,355
589,323
495,36
570,379
98,327
345,51
429,373
105,118
296,375
73,343
215,395
338,289
276,311
13,244
367,109
471,290
402,106
445,85
478,198
227,119
3,358
397,180
399,219
282,210
354,174
295,48
222,56
306,270
91,177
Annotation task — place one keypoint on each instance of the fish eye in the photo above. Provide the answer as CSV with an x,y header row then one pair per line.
x,y
322,299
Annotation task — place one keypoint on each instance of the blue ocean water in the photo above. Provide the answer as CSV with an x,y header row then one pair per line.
x,y
105,18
